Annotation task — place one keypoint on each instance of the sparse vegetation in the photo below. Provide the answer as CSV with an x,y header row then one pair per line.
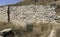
x,y
58,33
29,27
41,29
34,30
36,2
4,25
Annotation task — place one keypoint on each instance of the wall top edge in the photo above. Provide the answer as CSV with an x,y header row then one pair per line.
x,y
29,5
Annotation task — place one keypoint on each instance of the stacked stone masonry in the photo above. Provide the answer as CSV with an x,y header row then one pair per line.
x,y
28,14
3,14
32,13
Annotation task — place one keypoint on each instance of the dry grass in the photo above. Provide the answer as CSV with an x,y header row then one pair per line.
x,y
58,33
4,25
39,30
57,27
33,29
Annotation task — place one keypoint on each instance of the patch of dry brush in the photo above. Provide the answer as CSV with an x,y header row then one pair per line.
x,y
35,29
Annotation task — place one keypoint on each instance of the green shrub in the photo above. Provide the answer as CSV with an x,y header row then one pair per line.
x,y
29,27
58,32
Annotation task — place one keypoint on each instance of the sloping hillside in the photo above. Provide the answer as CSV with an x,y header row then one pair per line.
x,y
37,2
40,2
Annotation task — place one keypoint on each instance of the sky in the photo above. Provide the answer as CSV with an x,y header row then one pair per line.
x,y
4,2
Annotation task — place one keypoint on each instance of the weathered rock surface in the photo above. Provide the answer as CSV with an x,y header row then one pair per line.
x,y
28,14
32,13
3,14
7,33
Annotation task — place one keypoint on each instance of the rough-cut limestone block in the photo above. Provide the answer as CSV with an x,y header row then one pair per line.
x,y
7,33
3,14
31,13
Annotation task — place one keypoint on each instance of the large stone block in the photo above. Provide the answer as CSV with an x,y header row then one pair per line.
x,y
7,33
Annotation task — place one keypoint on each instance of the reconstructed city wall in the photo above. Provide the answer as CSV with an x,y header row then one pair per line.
x,y
28,14
3,14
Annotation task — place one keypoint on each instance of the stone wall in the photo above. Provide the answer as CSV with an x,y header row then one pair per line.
x,y
3,14
28,14
32,13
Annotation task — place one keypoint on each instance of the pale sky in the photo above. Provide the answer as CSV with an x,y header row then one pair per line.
x,y
4,2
